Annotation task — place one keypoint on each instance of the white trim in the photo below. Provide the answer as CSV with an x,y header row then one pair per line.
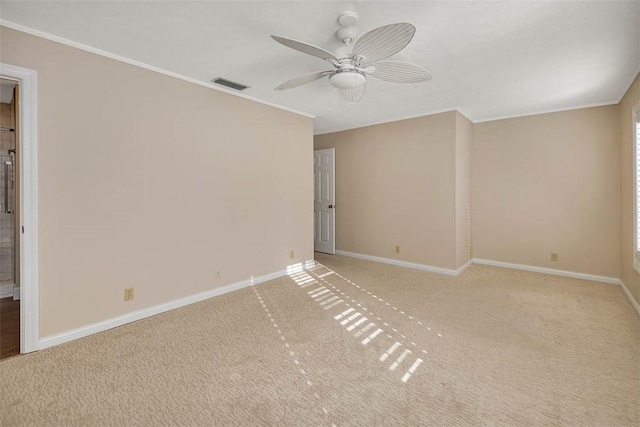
x,y
635,144
487,119
407,264
554,272
549,111
84,331
463,268
407,117
632,300
28,149
113,56
6,290
16,293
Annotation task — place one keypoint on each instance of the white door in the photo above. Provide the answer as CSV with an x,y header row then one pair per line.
x,y
324,200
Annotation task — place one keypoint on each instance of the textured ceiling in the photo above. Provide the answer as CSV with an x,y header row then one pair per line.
x,y
489,59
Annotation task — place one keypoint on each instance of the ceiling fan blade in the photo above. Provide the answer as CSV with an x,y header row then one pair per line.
x,y
384,41
304,79
305,48
353,95
400,72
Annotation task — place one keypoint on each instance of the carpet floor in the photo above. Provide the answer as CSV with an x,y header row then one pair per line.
x,y
351,342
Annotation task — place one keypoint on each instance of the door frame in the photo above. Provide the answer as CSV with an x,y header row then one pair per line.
x,y
28,221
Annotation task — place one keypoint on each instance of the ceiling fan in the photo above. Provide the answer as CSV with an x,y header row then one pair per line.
x,y
353,65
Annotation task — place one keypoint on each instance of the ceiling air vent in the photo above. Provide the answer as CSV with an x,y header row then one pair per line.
x,y
229,83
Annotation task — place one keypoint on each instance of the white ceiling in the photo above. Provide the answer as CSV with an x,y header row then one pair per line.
x,y
489,59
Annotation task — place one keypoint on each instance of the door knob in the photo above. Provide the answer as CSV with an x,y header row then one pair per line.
x,y
330,206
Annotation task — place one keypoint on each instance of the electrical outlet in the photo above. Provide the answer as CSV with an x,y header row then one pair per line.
x,y
218,275
397,249
554,256
128,294
292,254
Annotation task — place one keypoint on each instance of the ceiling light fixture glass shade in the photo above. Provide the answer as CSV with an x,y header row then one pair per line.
x,y
347,80
353,95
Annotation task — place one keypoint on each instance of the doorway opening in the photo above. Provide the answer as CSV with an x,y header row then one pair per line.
x,y
9,235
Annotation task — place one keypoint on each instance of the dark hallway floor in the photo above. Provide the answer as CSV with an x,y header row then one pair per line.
x,y
9,327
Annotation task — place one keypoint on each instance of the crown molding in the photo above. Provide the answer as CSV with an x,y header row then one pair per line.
x,y
553,110
106,54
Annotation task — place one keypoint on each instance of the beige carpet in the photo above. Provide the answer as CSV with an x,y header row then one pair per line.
x,y
493,346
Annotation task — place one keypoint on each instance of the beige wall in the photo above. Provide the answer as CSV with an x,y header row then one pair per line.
x,y
627,273
463,188
538,184
396,186
549,183
153,182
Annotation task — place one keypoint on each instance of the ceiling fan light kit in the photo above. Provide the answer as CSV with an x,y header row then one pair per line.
x,y
352,66
348,77
347,80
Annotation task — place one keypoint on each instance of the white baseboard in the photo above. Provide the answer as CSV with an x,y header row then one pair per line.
x,y
573,274
463,268
424,267
94,328
450,272
632,300
16,293
554,272
6,290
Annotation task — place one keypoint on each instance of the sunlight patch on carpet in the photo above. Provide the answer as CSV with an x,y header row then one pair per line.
x,y
327,295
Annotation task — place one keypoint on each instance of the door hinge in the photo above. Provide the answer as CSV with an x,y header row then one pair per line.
x,y
22,229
